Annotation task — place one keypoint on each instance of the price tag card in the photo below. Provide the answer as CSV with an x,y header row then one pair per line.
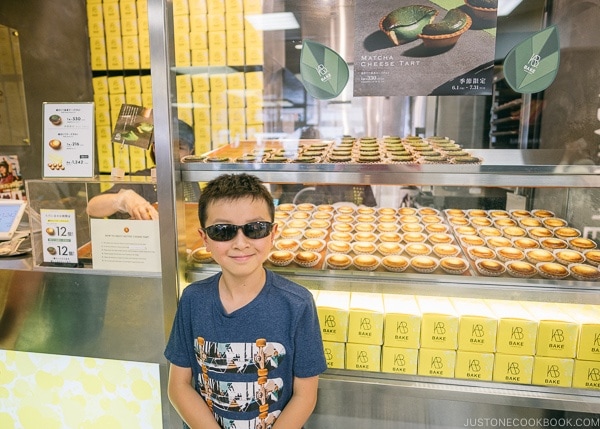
x,y
68,139
59,238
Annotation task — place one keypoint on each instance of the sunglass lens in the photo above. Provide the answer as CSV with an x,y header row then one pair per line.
x,y
257,230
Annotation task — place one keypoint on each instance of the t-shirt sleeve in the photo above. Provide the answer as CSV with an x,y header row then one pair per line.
x,y
177,350
310,357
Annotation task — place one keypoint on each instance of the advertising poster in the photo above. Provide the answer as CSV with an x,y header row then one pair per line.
x,y
421,47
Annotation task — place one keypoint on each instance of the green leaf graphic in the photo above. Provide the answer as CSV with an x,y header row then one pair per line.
x,y
324,72
532,65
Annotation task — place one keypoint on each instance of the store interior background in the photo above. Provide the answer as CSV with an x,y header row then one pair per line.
x,y
55,61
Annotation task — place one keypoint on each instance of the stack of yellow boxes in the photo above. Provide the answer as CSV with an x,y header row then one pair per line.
x,y
439,337
546,344
219,56
401,335
515,343
586,372
333,309
365,332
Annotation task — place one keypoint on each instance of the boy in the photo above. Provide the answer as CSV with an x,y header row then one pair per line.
x,y
245,348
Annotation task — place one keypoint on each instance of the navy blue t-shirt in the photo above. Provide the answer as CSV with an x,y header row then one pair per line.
x,y
244,362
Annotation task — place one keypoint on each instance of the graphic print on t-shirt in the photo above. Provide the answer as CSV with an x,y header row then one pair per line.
x,y
253,396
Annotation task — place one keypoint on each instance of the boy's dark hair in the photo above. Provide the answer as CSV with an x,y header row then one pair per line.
x,y
233,187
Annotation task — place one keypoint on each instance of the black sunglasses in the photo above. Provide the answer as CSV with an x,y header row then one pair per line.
x,y
227,231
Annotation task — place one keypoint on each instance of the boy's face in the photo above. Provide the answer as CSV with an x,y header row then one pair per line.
x,y
241,256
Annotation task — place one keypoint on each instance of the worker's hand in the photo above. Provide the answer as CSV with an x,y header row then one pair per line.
x,y
138,208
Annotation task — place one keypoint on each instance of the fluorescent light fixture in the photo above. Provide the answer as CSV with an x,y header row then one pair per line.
x,y
273,21
505,7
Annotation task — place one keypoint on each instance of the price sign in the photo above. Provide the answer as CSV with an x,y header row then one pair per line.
x,y
59,239
68,139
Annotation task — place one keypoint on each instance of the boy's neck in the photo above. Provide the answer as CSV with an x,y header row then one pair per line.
x,y
236,292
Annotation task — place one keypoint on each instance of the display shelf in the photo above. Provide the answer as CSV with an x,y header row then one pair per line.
x,y
510,167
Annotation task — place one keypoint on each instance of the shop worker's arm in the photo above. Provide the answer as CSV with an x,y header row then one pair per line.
x,y
301,405
126,201
187,402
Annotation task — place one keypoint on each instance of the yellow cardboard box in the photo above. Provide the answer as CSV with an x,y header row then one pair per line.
x,y
513,368
549,371
397,360
253,6
236,99
437,362
183,83
517,329
439,323
181,7
237,132
254,131
112,27
202,117
133,84
200,57
111,10
198,7
201,99
254,115
557,332
365,321
98,53
133,98
146,81
100,84
200,82
236,56
255,80
333,308
363,357
402,324
335,354
215,6
215,21
101,101
198,40
234,6
586,375
102,117
236,80
477,326
588,317
199,23
474,365
236,116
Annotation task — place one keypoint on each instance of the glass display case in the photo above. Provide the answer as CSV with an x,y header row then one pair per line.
x,y
491,207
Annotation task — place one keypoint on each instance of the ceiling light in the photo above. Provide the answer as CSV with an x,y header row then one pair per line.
x,y
273,21
505,7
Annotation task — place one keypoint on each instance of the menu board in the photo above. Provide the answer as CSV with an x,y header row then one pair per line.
x,y
68,139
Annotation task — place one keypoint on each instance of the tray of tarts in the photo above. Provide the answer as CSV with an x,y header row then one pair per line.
x,y
489,243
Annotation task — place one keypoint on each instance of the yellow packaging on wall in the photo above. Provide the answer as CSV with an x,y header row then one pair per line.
x,y
477,326
237,132
131,57
111,10
202,133
215,6
363,357
333,309
234,6
236,116
146,81
198,23
254,55
439,323
254,98
236,80
129,26
198,7
236,99
200,82
335,354
98,59
147,99
235,40
402,324
137,158
218,99
254,115
218,117
215,21
586,375
181,7
556,372
114,52
181,26
202,116
121,156
200,58
234,22
201,99
183,84
102,117
254,131
588,318
133,84
134,98
253,7
397,360
100,85
437,362
474,365
365,321
198,40
255,80
101,101
236,56
513,368
144,45
557,332
517,329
